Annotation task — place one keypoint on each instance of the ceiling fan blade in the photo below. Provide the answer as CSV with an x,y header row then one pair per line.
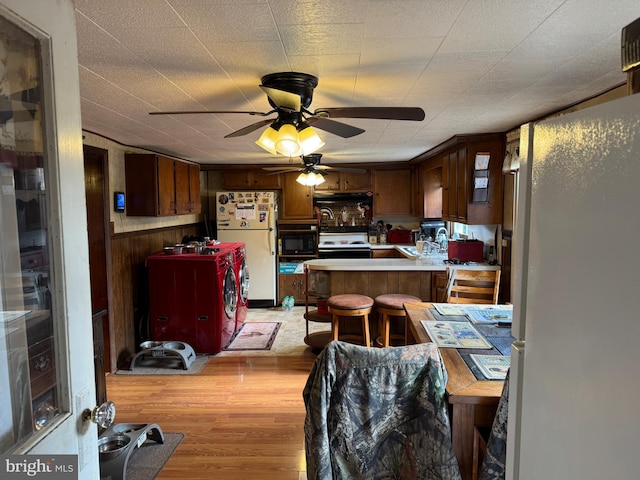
x,y
282,99
282,169
337,128
341,169
248,129
383,113
189,112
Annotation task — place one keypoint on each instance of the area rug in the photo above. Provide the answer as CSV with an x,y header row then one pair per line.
x,y
165,366
147,461
255,336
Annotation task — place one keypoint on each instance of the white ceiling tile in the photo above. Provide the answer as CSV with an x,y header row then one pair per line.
x,y
325,39
411,18
303,12
472,66
230,22
377,51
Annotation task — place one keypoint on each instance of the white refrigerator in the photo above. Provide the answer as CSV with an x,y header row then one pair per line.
x,y
574,404
250,217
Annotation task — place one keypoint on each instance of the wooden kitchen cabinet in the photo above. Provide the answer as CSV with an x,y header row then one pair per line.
x,y
297,199
451,171
187,177
392,191
339,181
385,253
250,179
292,284
160,186
455,189
431,191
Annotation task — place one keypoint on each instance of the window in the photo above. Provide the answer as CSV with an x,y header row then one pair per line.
x,y
28,370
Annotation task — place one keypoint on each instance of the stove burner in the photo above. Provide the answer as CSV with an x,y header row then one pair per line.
x,y
455,261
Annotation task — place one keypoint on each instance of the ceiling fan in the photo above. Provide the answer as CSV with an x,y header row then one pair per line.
x,y
311,172
290,94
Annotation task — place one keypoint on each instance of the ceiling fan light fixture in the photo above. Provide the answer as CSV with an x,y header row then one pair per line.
x,y
287,143
309,140
310,178
268,140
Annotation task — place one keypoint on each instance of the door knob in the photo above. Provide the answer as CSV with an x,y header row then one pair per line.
x,y
102,415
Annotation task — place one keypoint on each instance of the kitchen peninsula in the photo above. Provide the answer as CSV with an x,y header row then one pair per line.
x,y
412,275
422,277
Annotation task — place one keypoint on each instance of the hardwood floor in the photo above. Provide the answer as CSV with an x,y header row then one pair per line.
x,y
242,415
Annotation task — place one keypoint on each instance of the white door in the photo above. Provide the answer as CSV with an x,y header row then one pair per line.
x,y
44,275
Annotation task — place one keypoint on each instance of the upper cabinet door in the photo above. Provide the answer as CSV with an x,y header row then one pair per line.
x,y
392,189
166,186
160,186
297,200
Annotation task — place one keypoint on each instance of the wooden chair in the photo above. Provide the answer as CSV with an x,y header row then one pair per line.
x,y
472,286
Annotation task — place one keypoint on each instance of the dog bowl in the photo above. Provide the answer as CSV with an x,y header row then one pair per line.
x,y
112,446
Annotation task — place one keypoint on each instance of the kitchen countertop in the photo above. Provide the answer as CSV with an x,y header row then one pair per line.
x,y
387,246
435,263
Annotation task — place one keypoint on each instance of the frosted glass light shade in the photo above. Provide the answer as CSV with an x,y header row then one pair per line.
x,y
287,142
310,179
268,140
309,141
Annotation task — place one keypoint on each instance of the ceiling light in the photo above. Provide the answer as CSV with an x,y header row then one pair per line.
x,y
287,143
310,178
290,139
268,140
308,138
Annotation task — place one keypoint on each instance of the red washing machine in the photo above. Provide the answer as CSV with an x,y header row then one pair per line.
x,y
242,274
193,298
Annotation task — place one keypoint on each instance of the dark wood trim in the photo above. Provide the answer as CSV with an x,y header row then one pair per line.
x,y
136,233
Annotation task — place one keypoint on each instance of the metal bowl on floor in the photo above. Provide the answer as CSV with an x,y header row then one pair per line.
x,y
174,346
112,446
150,344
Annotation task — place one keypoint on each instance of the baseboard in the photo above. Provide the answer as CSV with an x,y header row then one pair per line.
x,y
269,303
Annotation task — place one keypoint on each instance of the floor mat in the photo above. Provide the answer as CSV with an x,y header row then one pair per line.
x,y
255,336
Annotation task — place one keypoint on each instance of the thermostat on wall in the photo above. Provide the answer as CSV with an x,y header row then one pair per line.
x,y
118,201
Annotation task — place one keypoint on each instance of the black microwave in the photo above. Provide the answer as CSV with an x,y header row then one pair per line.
x,y
298,243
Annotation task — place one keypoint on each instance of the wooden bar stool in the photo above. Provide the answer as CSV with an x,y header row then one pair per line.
x,y
391,305
350,305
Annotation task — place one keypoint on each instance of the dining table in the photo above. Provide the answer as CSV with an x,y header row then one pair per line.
x,y
473,398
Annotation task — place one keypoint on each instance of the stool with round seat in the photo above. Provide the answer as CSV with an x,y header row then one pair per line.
x,y
350,305
391,305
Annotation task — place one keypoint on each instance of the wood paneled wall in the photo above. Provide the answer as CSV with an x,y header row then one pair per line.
x,y
130,293
376,283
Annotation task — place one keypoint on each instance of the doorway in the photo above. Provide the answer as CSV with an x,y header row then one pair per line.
x,y
97,192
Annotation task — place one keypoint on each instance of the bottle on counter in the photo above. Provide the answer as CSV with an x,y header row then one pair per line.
x,y
373,234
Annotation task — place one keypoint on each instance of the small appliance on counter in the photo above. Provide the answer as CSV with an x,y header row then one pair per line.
x,y
399,235
466,250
